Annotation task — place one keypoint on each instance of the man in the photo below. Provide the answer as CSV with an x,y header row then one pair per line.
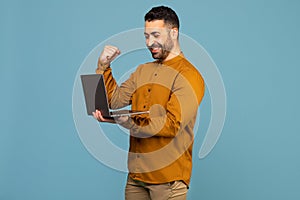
x,y
171,88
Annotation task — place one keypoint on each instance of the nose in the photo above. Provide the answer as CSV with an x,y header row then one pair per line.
x,y
150,41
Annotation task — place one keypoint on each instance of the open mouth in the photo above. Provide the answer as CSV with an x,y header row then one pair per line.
x,y
155,49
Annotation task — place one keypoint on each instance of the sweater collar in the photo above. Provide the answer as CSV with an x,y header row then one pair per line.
x,y
173,60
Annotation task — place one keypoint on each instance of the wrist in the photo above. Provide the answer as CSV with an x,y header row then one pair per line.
x,y
102,67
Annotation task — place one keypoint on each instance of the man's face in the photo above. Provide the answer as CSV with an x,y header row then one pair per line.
x,y
158,39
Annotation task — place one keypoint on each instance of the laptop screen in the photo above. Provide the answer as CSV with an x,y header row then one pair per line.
x,y
95,93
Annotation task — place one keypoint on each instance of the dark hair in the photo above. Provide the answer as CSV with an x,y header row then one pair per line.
x,y
163,13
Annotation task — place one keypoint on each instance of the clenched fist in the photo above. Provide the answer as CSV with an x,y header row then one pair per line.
x,y
108,54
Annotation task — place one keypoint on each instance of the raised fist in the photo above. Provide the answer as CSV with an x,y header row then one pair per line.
x,y
108,54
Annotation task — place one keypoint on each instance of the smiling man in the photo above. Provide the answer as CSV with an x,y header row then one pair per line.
x,y
160,152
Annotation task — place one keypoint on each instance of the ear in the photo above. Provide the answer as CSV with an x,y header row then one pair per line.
x,y
174,33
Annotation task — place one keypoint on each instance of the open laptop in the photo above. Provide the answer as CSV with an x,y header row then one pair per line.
x,y
96,97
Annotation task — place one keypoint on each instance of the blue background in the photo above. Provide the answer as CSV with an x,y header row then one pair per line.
x,y
255,45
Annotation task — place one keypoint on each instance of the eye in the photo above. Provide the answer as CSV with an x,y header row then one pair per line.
x,y
146,36
156,35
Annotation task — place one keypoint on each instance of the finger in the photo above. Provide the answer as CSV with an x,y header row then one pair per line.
x,y
100,117
107,51
113,49
109,55
95,116
98,114
113,52
115,55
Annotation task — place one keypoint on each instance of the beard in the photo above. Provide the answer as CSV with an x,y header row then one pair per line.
x,y
161,51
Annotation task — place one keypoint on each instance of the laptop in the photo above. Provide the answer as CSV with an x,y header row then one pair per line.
x,y
96,97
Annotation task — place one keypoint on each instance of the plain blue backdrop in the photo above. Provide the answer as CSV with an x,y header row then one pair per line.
x,y
255,45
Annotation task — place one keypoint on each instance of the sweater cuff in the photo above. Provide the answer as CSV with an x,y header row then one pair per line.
x,y
128,124
101,69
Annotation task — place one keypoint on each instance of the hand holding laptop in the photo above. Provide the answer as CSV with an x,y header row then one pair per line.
x,y
96,99
98,116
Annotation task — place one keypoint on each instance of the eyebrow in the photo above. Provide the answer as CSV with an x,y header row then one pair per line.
x,y
152,33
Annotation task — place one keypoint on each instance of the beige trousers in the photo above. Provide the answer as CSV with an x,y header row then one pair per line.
x,y
137,190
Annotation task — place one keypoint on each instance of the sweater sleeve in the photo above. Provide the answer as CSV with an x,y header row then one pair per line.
x,y
118,96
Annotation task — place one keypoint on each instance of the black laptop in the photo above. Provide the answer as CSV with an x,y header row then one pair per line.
x,y
96,97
